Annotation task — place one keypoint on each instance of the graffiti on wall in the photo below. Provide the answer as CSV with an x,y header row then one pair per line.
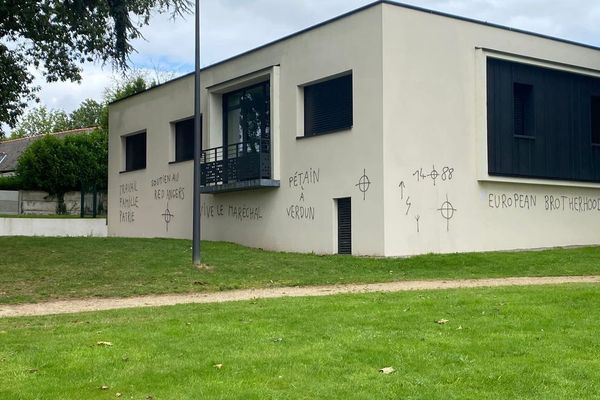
x,y
129,202
547,202
168,217
447,212
423,175
239,213
167,188
410,207
364,184
300,181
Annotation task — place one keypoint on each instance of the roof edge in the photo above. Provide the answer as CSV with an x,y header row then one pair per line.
x,y
358,10
76,130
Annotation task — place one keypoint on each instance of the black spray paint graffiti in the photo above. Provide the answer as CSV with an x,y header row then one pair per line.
x,y
447,174
168,217
300,180
552,203
408,203
238,213
364,184
516,200
165,179
170,193
447,211
129,201
297,212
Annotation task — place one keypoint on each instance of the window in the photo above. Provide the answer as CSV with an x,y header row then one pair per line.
x,y
523,110
2,157
184,140
542,122
328,106
135,152
247,115
595,120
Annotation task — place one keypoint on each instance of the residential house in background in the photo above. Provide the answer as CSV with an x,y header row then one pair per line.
x,y
11,149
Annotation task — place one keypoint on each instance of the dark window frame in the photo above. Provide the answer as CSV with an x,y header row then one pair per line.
x,y
132,164
563,148
266,121
323,115
181,155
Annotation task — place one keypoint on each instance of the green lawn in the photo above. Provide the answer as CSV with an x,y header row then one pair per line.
x,y
508,343
37,269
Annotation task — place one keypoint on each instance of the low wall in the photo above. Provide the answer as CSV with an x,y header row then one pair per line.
x,y
55,227
10,202
33,202
36,202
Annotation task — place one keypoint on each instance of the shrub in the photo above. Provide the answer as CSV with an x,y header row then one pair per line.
x,y
10,183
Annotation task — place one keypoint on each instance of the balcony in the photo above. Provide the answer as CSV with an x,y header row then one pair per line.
x,y
240,166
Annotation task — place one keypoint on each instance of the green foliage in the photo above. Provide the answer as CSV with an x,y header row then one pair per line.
x,y
40,121
130,86
87,115
57,36
10,183
59,165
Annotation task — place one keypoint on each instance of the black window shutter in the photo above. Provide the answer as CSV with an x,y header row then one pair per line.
x,y
523,109
184,140
344,226
545,128
135,152
328,106
595,120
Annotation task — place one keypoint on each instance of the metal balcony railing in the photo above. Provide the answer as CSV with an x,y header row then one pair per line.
x,y
237,162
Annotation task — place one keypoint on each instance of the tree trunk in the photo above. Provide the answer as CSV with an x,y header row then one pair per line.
x,y
61,207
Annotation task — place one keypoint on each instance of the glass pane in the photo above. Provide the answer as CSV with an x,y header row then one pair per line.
x,y
233,99
253,116
234,131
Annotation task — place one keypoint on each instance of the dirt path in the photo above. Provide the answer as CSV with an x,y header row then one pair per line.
x,y
86,305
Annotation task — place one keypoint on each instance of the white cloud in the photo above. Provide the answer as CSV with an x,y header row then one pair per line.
x,y
68,95
233,26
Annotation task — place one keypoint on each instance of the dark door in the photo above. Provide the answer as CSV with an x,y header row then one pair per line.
x,y
344,207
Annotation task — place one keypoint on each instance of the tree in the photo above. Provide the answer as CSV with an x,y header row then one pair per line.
x,y
130,86
40,121
57,35
58,165
87,115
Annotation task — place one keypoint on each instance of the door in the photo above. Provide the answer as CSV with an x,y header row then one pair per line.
x,y
344,226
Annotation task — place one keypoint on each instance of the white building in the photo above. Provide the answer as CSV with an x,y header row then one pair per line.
x,y
388,131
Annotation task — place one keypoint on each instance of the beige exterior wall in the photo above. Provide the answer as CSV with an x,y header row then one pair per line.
x,y
419,105
435,117
265,218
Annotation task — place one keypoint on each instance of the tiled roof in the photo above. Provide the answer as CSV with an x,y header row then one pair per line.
x,y
11,150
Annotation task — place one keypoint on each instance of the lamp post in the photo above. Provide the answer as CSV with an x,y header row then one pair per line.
x,y
196,255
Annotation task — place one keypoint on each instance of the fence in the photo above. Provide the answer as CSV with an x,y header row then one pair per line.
x,y
34,202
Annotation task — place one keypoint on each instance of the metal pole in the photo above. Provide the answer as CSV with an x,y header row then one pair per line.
x,y
196,257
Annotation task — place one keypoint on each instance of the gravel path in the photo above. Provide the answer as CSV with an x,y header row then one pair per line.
x,y
87,305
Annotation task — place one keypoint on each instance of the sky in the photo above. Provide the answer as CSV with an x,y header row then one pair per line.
x,y
230,27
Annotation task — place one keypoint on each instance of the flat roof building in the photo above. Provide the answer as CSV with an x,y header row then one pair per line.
x,y
388,131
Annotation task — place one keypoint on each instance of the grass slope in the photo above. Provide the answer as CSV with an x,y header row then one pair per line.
x,y
525,343
37,269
